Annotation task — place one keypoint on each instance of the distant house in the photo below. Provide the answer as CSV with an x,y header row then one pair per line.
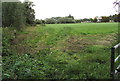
x,y
99,19
111,20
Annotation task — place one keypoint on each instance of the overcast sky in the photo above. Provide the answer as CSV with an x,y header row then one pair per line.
x,y
77,8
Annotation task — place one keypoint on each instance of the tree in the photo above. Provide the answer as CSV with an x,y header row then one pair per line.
x,y
13,14
91,20
42,22
115,18
65,20
105,19
78,21
70,16
29,13
117,2
95,19
50,21
17,14
0,14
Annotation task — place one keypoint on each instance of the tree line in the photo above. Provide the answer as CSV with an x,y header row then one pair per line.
x,y
17,14
70,19
57,20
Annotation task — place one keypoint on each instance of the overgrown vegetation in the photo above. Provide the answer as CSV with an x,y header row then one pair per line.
x,y
59,51
17,14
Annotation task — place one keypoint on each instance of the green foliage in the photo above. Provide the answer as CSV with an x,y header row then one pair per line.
x,y
87,20
105,19
115,17
17,14
59,51
78,21
95,20
29,13
58,20
13,14
7,36
50,21
42,22
70,16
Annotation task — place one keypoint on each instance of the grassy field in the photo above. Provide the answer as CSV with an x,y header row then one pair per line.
x,y
59,51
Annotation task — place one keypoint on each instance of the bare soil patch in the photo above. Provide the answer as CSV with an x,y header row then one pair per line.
x,y
76,44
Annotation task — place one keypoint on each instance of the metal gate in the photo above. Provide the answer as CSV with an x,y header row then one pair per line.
x,y
115,69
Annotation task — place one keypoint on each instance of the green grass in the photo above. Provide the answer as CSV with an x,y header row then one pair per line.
x,y
89,28
59,51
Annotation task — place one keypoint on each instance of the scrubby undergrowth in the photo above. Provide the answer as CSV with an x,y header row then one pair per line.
x,y
70,51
